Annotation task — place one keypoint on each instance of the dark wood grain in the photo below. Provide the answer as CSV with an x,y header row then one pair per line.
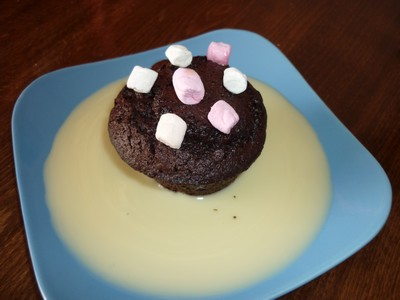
x,y
348,51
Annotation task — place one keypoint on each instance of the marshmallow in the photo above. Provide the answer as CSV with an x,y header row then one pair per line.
x,y
223,116
179,55
234,80
171,130
219,52
141,80
188,86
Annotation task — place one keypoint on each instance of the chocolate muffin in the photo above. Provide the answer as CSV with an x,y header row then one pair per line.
x,y
208,160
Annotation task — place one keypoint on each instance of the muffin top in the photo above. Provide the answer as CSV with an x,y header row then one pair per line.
x,y
206,154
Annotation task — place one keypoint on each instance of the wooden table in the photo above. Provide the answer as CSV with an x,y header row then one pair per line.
x,y
348,51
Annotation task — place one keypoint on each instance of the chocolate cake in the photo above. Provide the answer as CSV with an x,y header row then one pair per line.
x,y
208,159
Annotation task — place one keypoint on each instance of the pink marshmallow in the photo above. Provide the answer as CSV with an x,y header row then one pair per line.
x,y
219,52
188,86
223,116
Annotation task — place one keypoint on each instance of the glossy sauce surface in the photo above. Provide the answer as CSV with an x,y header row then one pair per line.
x,y
132,232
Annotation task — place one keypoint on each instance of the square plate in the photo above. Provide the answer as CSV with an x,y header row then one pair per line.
x,y
361,197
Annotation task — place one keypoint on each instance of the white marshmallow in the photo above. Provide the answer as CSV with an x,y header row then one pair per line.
x,y
179,55
171,130
141,80
234,80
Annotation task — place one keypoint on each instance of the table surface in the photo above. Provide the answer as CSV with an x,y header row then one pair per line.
x,y
348,51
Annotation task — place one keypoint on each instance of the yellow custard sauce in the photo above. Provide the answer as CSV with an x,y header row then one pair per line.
x,y
130,231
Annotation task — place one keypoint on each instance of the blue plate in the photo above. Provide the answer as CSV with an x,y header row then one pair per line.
x,y
361,190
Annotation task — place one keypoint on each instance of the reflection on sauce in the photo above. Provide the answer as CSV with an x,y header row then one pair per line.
x,y
132,232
